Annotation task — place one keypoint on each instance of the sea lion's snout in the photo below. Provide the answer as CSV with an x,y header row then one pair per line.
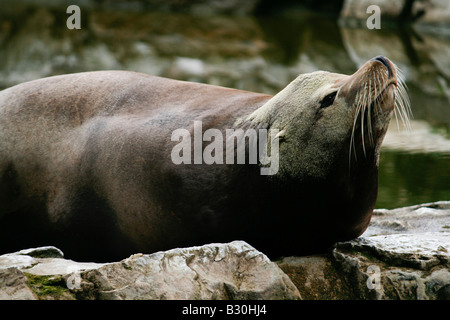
x,y
375,91
373,86
386,63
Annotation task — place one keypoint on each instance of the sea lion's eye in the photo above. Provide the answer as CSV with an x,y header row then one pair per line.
x,y
328,100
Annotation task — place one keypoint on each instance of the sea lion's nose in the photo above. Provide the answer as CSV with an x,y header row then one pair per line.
x,y
386,63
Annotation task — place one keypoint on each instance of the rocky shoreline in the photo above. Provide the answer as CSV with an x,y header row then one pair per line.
x,y
404,255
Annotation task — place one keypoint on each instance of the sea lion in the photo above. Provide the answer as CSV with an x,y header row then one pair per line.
x,y
86,162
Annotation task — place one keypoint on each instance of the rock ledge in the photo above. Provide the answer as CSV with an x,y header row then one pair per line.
x,y
215,271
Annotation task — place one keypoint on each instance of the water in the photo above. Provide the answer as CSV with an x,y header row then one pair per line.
x,y
256,53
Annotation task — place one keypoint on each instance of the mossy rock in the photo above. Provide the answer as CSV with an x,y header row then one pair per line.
x,y
49,287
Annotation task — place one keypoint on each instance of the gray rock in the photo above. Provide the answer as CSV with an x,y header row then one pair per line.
x,y
317,278
42,252
216,271
399,266
43,261
422,218
404,254
14,285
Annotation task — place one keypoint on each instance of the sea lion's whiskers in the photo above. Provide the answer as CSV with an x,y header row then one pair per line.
x,y
361,101
370,99
401,108
352,138
369,117
402,102
395,114
366,98
379,100
378,105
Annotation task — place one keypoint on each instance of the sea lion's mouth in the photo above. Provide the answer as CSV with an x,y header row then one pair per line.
x,y
378,99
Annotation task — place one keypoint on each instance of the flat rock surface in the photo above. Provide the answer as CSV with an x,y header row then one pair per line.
x,y
422,218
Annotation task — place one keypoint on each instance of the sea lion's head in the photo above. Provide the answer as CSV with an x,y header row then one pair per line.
x,y
328,120
331,127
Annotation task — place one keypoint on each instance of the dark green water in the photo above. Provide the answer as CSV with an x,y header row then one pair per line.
x,y
256,53
408,179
